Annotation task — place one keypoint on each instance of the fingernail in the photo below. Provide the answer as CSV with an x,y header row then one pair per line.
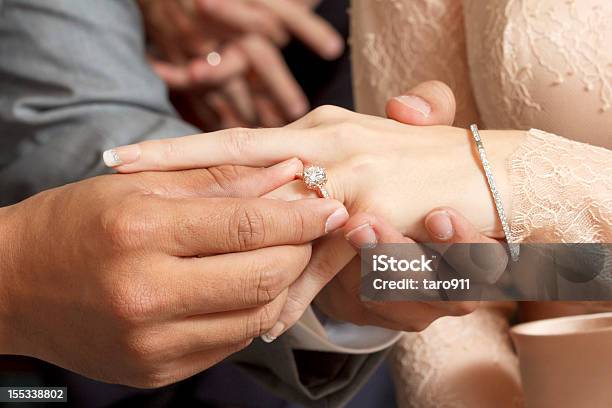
x,y
362,237
336,220
415,103
274,332
440,225
121,155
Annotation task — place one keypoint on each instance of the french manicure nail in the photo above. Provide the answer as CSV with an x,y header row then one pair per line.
x,y
274,332
121,155
440,225
336,220
362,237
415,103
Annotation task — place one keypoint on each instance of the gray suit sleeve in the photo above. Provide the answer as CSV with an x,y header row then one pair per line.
x,y
74,82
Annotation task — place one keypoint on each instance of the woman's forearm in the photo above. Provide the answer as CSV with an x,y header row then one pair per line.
x,y
455,178
561,191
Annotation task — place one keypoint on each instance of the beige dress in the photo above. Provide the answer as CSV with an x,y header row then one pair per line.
x,y
515,64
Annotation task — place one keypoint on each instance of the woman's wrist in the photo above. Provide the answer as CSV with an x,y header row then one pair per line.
x,y
499,146
462,183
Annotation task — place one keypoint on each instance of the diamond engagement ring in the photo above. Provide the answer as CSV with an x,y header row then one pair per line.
x,y
315,178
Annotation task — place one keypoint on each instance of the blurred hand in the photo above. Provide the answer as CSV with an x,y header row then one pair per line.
x,y
149,278
222,57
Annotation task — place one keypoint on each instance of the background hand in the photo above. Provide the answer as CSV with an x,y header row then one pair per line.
x,y
223,61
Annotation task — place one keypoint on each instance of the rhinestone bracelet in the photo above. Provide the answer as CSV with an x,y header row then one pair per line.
x,y
514,248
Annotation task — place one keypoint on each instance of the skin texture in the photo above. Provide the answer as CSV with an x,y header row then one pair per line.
x,y
250,84
149,278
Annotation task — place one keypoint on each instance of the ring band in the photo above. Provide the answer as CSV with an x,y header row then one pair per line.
x,y
315,178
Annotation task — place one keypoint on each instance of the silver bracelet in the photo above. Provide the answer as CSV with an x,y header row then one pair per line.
x,y
514,248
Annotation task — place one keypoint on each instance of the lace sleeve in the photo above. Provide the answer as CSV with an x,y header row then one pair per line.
x,y
561,191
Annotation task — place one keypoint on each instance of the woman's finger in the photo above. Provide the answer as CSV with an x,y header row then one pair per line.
x,y
485,261
232,63
244,18
308,27
175,76
239,95
228,115
365,230
429,103
269,65
268,112
329,255
247,147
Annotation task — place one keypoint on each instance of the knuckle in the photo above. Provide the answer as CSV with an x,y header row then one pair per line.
x,y
269,283
132,302
140,350
170,150
260,322
327,113
238,142
123,224
247,228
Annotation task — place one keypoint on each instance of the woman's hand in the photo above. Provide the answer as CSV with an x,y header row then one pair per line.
x,y
375,165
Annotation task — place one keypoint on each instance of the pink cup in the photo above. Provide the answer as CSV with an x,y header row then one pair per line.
x,y
566,362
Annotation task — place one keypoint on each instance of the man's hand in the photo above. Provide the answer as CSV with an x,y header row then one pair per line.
x,y
146,279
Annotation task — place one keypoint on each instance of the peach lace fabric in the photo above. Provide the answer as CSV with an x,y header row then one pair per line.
x,y
517,64
561,190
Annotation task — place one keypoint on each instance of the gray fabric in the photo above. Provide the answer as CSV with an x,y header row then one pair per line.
x,y
73,83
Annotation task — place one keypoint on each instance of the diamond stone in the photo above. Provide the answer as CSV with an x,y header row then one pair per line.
x,y
315,176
